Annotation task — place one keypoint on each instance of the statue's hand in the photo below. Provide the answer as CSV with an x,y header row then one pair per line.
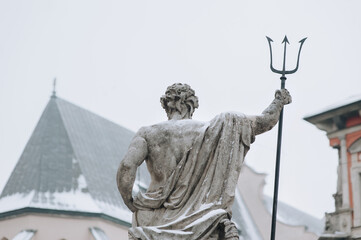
x,y
284,96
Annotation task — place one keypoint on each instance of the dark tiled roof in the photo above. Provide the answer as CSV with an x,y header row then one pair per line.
x,y
72,153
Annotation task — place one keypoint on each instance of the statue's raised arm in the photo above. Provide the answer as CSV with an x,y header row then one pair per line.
x,y
269,117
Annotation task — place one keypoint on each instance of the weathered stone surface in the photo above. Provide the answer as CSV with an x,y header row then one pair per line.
x,y
194,167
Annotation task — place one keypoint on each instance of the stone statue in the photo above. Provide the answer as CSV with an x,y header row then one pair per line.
x,y
194,168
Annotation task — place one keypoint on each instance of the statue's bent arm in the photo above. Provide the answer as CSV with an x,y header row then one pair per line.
x,y
269,117
137,153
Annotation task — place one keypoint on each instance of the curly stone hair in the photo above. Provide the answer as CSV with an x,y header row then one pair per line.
x,y
179,97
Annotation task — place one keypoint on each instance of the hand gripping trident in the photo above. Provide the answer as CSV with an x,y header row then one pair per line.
x,y
279,139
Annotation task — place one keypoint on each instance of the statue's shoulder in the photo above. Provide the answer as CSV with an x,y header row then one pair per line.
x,y
142,132
169,126
146,131
175,124
229,115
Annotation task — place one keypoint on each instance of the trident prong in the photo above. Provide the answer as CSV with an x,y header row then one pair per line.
x,y
284,71
280,122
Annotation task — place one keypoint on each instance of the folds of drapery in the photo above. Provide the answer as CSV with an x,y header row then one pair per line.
x,y
200,191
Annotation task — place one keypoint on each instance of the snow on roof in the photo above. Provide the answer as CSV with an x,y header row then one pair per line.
x,y
25,235
336,105
336,235
98,234
70,163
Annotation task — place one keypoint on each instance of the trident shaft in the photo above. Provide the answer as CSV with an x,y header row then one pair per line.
x,y
280,123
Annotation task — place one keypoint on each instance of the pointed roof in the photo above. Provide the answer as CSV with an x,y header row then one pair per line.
x,y
69,164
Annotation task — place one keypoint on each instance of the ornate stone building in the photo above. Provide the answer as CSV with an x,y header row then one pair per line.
x,y
63,186
342,124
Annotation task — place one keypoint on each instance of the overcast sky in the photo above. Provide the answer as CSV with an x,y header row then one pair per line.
x,y
116,58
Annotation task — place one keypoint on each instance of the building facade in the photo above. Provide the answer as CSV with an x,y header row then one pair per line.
x,y
342,124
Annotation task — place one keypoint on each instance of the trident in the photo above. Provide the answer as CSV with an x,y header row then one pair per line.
x,y
279,138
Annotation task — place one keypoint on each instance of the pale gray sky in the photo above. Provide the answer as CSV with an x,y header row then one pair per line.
x,y
116,58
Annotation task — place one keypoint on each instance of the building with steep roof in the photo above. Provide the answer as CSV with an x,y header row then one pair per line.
x,y
342,124
66,173
63,186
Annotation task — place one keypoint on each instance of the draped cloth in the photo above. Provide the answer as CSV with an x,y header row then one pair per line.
x,y
200,191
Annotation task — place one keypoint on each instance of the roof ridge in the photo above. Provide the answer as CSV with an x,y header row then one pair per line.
x,y
350,100
76,154
67,133
95,140
91,112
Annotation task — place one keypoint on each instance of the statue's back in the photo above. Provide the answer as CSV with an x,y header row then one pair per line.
x,y
167,143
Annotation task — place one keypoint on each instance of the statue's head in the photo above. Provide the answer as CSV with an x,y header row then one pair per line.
x,y
179,100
